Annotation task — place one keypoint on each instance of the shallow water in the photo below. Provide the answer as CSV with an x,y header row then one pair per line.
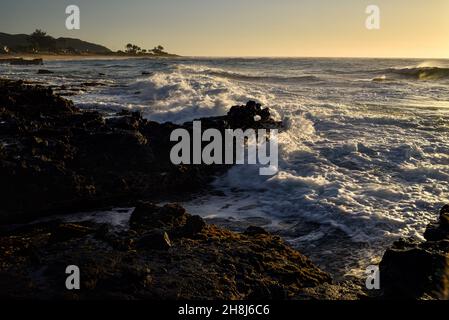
x,y
365,159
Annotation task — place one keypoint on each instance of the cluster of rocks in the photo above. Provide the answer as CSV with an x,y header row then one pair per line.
x,y
413,269
165,254
55,157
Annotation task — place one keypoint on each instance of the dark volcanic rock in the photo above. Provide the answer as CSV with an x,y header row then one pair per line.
x,y
245,116
444,217
65,232
44,71
418,270
193,226
171,217
149,215
147,263
21,61
156,240
55,157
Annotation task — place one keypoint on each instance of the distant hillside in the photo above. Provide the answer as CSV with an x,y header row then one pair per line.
x,y
13,40
80,45
20,42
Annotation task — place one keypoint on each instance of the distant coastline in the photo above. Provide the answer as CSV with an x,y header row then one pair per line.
x,y
90,56
41,45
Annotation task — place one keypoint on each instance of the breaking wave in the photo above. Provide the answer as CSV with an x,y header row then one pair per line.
x,y
422,73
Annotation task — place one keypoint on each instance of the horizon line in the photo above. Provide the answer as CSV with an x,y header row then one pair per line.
x,y
309,57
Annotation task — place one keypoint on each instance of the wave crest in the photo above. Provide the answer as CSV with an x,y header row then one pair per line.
x,y
230,75
422,73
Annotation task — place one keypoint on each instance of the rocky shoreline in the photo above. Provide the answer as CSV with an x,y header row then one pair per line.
x,y
165,254
56,158
413,269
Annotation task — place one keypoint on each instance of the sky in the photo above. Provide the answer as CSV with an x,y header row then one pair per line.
x,y
275,28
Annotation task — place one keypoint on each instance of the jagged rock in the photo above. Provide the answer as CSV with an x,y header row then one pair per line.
x,y
193,226
347,290
270,292
439,230
248,115
69,231
148,215
435,232
157,240
444,217
64,159
414,273
418,270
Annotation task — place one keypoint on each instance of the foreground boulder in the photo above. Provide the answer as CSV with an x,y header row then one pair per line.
x,y
55,157
419,270
153,261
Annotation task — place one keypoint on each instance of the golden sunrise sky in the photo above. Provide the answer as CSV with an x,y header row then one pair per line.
x,y
323,28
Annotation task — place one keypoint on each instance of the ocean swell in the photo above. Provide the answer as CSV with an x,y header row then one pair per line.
x,y
421,73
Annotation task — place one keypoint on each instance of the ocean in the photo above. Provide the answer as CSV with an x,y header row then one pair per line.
x,y
363,162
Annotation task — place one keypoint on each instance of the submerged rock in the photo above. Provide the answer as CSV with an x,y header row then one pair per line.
x,y
44,71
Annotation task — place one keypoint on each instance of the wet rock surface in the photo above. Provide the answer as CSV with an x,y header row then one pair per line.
x,y
154,261
419,270
54,156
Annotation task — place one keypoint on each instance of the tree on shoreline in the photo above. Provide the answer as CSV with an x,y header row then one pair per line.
x,y
159,50
136,50
132,49
41,41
